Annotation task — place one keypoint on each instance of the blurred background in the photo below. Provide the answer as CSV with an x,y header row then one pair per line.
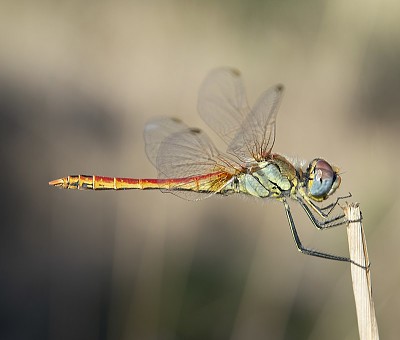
x,y
79,80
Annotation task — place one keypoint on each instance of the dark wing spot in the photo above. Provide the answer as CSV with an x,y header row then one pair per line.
x,y
176,120
194,130
235,72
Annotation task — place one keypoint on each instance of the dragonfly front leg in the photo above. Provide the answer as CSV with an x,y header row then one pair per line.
x,y
329,207
308,251
332,206
328,223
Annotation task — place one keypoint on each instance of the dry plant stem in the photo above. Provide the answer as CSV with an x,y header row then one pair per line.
x,y
361,278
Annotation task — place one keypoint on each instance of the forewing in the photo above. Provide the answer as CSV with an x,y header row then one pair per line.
x,y
222,102
249,133
256,136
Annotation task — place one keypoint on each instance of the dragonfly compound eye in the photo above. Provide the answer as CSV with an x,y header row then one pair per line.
x,y
323,179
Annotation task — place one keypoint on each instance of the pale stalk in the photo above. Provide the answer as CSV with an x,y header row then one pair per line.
x,y
361,278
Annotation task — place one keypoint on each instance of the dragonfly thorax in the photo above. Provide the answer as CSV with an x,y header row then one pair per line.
x,y
273,178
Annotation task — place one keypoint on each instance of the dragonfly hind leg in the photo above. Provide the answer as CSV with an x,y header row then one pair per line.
x,y
309,251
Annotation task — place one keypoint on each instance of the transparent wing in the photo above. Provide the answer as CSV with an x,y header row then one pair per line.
x,y
187,154
222,102
158,129
256,136
249,133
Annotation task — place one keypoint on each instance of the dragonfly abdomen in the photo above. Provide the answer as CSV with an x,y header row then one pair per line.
x,y
89,182
213,182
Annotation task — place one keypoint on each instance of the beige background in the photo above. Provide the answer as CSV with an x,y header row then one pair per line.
x,y
78,81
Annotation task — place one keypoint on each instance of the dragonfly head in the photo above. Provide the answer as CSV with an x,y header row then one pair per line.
x,y
322,179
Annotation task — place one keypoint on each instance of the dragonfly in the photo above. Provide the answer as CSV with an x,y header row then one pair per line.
x,y
190,166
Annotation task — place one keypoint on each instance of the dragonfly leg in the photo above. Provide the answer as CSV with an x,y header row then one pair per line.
x,y
328,223
329,207
311,252
332,206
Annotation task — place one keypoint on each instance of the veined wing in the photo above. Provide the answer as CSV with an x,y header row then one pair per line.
x,y
187,157
249,133
256,136
222,102
158,129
